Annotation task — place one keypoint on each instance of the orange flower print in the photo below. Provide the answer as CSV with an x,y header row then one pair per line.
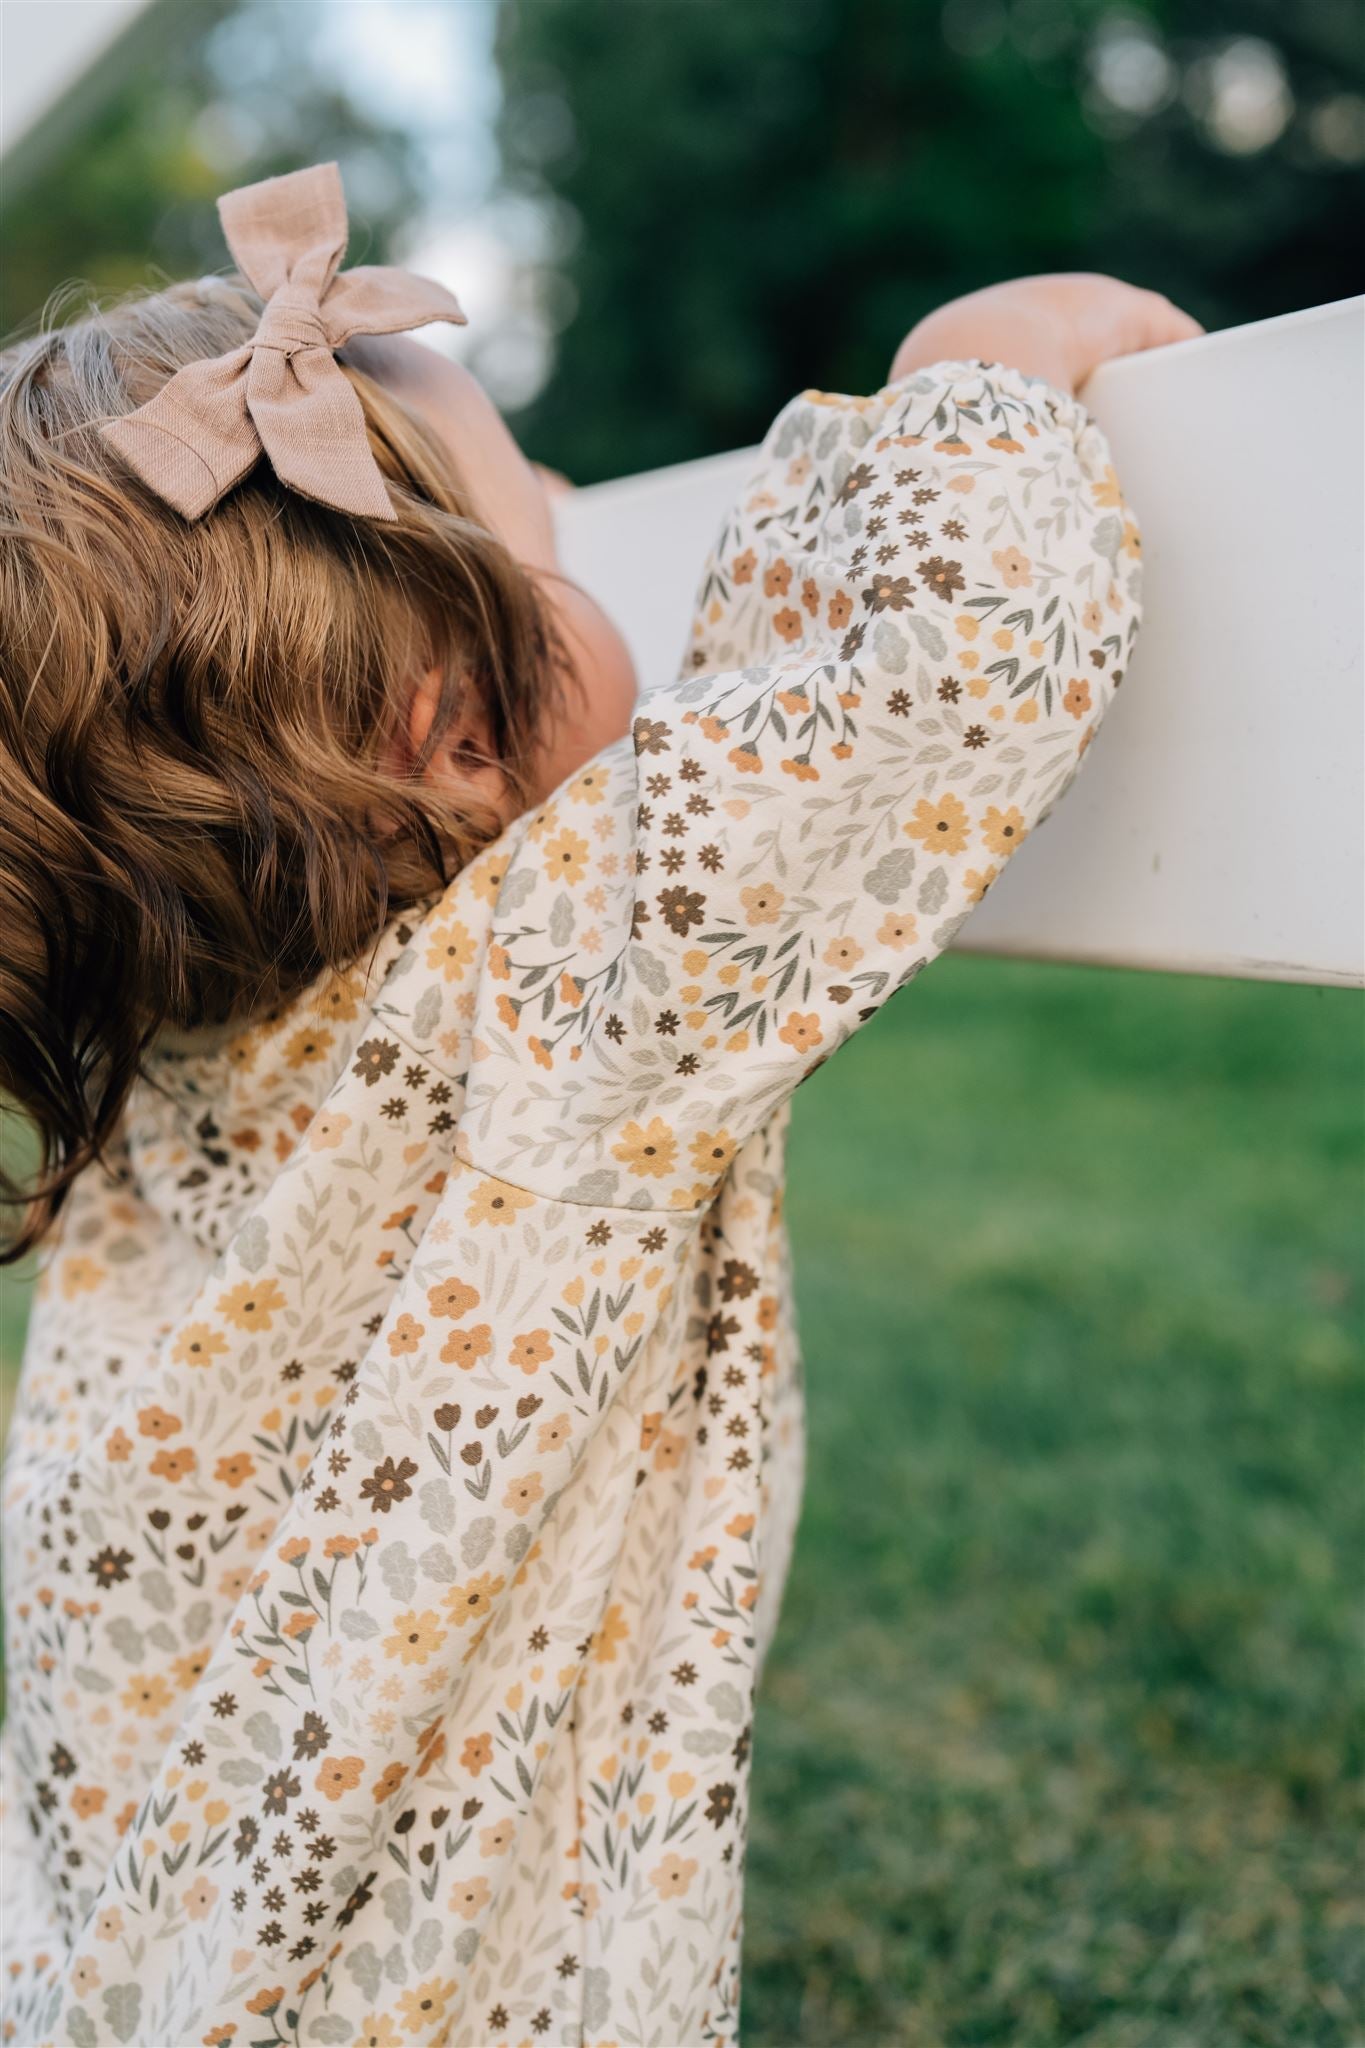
x,y
839,610
531,1350
672,1879
452,1298
1014,568
802,1031
788,625
842,954
743,566
327,1130
157,1422
80,1276
251,1305
416,1637
477,1753
406,1334
306,1047
496,1839
473,1601
614,1629
388,1782
650,1150
762,902
566,857
174,1465
147,1694
466,1347
777,579
87,1800
1077,698
493,1201
190,1668
897,930
1003,830
338,1775
810,596
450,949
468,1897
118,1446
941,826
522,1494
712,1151
235,1469
198,1344
553,1434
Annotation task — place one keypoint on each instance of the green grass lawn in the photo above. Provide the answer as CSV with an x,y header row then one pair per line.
x,y
1056,1743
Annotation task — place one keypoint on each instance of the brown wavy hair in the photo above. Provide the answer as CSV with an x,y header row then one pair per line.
x,y
200,810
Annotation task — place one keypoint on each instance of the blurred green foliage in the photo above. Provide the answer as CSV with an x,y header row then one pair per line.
x,y
768,196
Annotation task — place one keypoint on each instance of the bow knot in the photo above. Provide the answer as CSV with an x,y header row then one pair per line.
x,y
291,321
283,394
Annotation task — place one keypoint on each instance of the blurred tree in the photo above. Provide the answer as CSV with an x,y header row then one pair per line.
x,y
768,195
195,99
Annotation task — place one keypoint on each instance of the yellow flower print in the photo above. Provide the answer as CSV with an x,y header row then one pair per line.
x,y
712,1151
80,1276
424,2008
673,1877
147,1694
615,1629
1107,491
843,953
450,949
762,903
376,2031
1015,568
451,1298
898,929
473,1600
190,1668
566,856
1003,830
251,1305
495,1840
650,1152
942,826
327,1130
306,1046
531,1350
590,786
416,1637
802,1031
466,1347
338,1775
85,1977
198,1344
493,1201
339,1001
1092,618
976,884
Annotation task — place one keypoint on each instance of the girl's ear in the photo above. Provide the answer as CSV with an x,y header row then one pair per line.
x,y
461,762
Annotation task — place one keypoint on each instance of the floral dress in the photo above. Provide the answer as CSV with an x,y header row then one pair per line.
x,y
408,1450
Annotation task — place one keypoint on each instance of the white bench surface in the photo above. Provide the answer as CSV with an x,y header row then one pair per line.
x,y
1218,825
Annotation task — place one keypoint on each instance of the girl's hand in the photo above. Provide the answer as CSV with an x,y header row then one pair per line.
x,y
1060,328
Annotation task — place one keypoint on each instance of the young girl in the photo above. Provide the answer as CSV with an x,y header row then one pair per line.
x,y
408,1451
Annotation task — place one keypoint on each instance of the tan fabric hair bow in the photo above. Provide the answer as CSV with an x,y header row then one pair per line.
x,y
283,394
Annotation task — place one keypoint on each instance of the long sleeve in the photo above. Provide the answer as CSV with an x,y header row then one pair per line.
x,y
905,637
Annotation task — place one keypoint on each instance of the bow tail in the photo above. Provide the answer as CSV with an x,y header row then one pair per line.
x,y
195,439
313,429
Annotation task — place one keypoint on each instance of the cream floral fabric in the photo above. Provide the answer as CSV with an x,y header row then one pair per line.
x,y
409,1444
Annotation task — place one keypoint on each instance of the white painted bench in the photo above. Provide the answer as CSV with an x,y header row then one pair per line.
x,y
1219,824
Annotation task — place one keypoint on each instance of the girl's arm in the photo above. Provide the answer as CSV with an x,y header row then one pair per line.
x,y
911,625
